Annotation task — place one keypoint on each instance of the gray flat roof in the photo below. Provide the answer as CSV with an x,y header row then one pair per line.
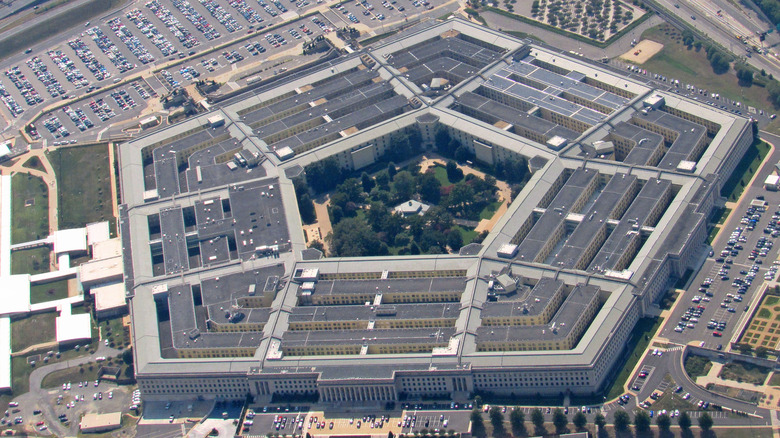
x,y
423,336
688,136
384,311
559,327
404,285
527,302
628,228
594,219
174,241
555,214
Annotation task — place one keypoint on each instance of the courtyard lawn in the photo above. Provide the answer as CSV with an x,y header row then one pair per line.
x,y
30,261
29,208
83,185
32,330
41,293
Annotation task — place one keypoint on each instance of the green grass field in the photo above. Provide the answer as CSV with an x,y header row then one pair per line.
x,y
745,372
56,24
29,208
32,330
643,331
743,173
40,293
115,333
30,261
33,163
489,210
687,65
83,185
697,366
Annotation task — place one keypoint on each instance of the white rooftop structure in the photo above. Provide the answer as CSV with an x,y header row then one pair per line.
x,y
14,294
411,207
98,232
284,153
557,142
100,271
5,150
73,240
5,353
215,121
107,249
109,296
72,328
771,182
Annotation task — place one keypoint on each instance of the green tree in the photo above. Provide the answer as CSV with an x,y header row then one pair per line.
x,y
517,421
403,185
391,170
745,348
600,421
429,188
383,179
454,239
641,422
316,244
579,420
376,215
537,418
477,424
454,174
461,196
367,182
352,237
497,421
684,420
306,209
664,422
127,356
621,421
462,154
560,421
761,352
705,422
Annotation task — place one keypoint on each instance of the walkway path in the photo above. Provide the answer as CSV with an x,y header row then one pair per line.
x,y
112,178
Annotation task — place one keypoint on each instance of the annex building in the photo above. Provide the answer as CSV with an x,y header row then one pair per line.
x,y
226,300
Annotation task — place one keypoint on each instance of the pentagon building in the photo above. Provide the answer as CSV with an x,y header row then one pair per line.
x,y
227,301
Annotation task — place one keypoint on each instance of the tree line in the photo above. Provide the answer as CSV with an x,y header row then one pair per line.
x,y
621,422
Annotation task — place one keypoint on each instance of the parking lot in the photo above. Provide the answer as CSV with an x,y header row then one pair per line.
x,y
136,38
88,116
58,411
742,257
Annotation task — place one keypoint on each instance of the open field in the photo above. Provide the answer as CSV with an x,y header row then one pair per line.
x,y
40,293
31,261
83,185
691,66
55,25
29,208
32,330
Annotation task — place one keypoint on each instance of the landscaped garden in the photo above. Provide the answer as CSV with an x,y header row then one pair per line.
x,y
431,207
